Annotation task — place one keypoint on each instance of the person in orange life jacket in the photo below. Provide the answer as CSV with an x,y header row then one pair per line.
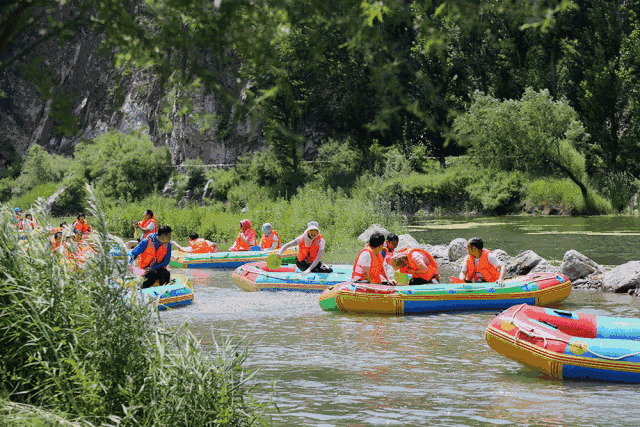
x,y
270,238
417,262
369,264
17,218
31,223
246,237
56,241
389,247
198,245
82,224
481,265
153,254
147,226
310,248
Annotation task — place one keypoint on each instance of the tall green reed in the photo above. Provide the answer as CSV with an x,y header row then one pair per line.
x,y
76,344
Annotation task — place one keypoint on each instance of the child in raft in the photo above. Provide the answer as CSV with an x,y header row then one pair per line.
x,y
246,237
417,262
481,265
29,223
389,247
310,249
198,245
270,239
369,264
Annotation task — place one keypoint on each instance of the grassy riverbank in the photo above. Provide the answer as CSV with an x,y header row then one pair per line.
x,y
75,347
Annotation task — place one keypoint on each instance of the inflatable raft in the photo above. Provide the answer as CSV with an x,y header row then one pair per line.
x,y
256,276
538,289
565,344
177,293
224,259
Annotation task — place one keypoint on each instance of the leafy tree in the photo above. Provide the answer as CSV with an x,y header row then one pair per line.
x,y
123,165
535,134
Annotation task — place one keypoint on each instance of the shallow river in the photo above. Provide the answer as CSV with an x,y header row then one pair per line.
x,y
335,369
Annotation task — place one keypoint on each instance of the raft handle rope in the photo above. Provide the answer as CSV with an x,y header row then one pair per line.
x,y
529,332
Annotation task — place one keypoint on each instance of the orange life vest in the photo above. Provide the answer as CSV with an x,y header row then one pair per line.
x,y
388,253
377,265
144,223
200,246
82,226
150,256
489,272
415,270
241,245
309,253
266,242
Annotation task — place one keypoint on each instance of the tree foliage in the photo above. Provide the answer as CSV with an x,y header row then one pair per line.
x,y
535,134
123,165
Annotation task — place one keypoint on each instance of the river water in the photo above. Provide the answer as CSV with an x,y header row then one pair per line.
x,y
326,369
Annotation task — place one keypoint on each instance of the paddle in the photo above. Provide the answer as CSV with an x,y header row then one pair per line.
x,y
273,262
256,248
401,277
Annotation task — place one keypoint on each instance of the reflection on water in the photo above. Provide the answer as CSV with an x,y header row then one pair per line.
x,y
333,369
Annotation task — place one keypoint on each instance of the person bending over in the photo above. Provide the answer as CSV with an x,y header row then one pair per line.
x,y
153,254
417,262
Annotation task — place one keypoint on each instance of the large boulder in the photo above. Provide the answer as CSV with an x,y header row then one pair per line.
x,y
457,249
623,278
502,256
366,234
440,252
545,267
407,241
524,262
577,266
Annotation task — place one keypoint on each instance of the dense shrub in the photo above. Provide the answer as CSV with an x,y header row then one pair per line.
x,y
338,165
124,166
41,167
496,192
561,196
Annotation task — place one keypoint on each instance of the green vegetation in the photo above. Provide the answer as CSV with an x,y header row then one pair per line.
x,y
77,346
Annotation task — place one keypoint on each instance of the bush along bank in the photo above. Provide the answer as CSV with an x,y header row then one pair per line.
x,y
74,345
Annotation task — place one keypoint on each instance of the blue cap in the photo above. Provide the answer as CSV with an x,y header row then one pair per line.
x,y
16,210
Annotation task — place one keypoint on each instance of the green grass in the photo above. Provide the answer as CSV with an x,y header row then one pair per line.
x,y
27,200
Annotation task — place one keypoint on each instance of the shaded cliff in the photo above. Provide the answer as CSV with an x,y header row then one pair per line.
x,y
63,93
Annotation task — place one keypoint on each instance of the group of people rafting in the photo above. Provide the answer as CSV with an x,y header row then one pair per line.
x,y
152,250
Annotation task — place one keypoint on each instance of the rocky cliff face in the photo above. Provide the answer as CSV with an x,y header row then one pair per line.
x,y
81,95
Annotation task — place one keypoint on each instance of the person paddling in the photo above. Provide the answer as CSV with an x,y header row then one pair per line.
x,y
369,264
481,265
153,254
310,249
417,262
